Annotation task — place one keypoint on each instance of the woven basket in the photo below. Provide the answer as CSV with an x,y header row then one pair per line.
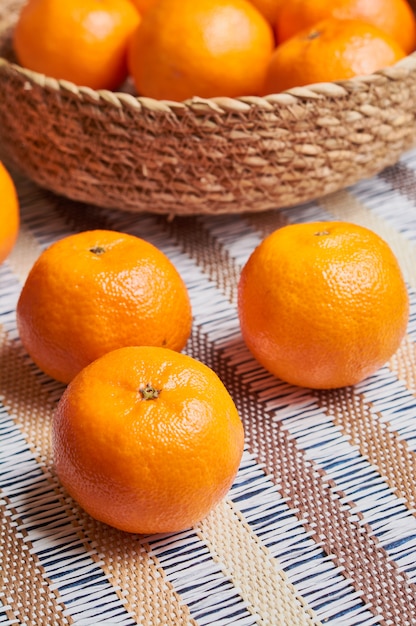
x,y
201,156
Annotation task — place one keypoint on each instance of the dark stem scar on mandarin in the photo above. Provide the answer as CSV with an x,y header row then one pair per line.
x,y
320,233
149,392
314,34
97,250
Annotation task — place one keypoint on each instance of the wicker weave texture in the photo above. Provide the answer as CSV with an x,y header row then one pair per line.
x,y
211,156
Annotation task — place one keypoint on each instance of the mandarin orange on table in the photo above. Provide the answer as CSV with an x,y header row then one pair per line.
x,y
82,41
208,48
395,17
329,51
323,304
147,440
96,291
9,213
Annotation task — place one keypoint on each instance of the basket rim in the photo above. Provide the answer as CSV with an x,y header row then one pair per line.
x,y
220,104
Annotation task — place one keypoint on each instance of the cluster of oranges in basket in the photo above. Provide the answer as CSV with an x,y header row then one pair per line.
x,y
177,49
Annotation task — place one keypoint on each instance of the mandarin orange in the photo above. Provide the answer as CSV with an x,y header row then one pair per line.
x,y
269,8
82,41
96,291
208,48
395,17
9,213
324,304
143,5
329,51
147,440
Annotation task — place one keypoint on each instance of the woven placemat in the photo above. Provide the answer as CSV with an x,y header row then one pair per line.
x,y
319,526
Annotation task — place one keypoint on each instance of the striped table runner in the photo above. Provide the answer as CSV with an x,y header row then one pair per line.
x,y
319,526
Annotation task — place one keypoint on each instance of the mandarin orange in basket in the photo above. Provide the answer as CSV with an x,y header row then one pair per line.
x,y
147,440
328,51
322,304
96,291
143,5
83,41
207,48
9,213
395,17
269,8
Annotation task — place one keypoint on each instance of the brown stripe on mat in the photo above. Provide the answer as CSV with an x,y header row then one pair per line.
x,y
250,566
402,179
375,439
77,215
138,573
28,402
24,587
358,553
265,223
403,364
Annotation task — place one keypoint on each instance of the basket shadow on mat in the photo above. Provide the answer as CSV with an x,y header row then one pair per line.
x,y
202,156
